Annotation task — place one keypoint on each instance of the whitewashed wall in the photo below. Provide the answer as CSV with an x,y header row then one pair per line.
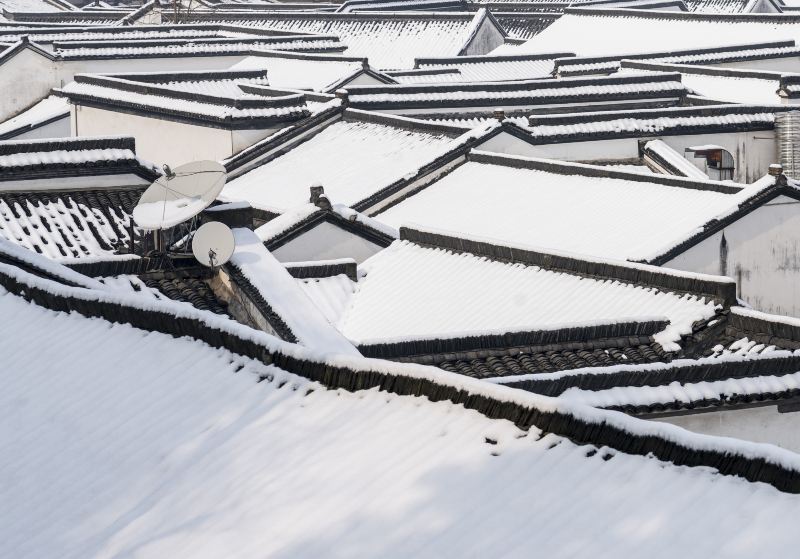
x,y
763,425
763,256
57,129
325,242
486,39
753,152
25,79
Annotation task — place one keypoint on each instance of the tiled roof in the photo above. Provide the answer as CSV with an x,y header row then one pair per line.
x,y
353,159
410,292
494,68
425,98
526,202
654,31
390,40
525,25
234,110
152,418
68,225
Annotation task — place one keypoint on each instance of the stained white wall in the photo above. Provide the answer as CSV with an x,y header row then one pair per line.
x,y
763,256
762,425
325,242
753,152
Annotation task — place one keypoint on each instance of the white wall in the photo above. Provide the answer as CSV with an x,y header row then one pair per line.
x,y
325,242
761,424
159,141
763,256
25,79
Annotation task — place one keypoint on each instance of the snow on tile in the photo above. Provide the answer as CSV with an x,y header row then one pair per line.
x,y
604,217
331,295
299,73
351,159
177,451
48,108
410,292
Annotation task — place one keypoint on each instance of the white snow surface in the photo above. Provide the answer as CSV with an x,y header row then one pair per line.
x,y
625,29
411,292
177,451
350,159
285,297
678,161
331,295
598,216
300,73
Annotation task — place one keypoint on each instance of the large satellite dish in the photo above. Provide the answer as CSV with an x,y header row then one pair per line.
x,y
213,244
179,195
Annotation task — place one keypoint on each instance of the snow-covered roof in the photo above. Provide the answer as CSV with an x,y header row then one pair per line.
x,y
518,94
652,31
521,25
494,68
621,215
228,449
649,122
664,159
354,159
718,84
312,72
47,110
410,292
390,40
201,97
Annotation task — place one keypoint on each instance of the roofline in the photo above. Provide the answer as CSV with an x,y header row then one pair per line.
x,y
580,424
700,70
358,228
664,54
696,16
477,59
588,170
720,289
555,337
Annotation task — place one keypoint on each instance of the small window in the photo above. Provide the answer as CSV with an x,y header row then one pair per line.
x,y
719,161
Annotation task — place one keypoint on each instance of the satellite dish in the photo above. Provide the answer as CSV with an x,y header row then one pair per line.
x,y
179,195
213,244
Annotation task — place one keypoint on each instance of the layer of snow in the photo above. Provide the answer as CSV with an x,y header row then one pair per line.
x,y
285,297
491,70
614,218
351,159
331,295
178,451
410,292
675,159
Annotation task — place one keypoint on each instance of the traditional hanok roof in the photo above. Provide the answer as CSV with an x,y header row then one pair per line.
x,y
52,110
29,6
719,84
494,68
431,294
203,98
646,216
534,95
705,56
356,156
351,6
322,73
285,427
390,40
77,17
192,289
654,31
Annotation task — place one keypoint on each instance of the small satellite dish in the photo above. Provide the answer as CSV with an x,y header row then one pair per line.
x,y
179,195
213,244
